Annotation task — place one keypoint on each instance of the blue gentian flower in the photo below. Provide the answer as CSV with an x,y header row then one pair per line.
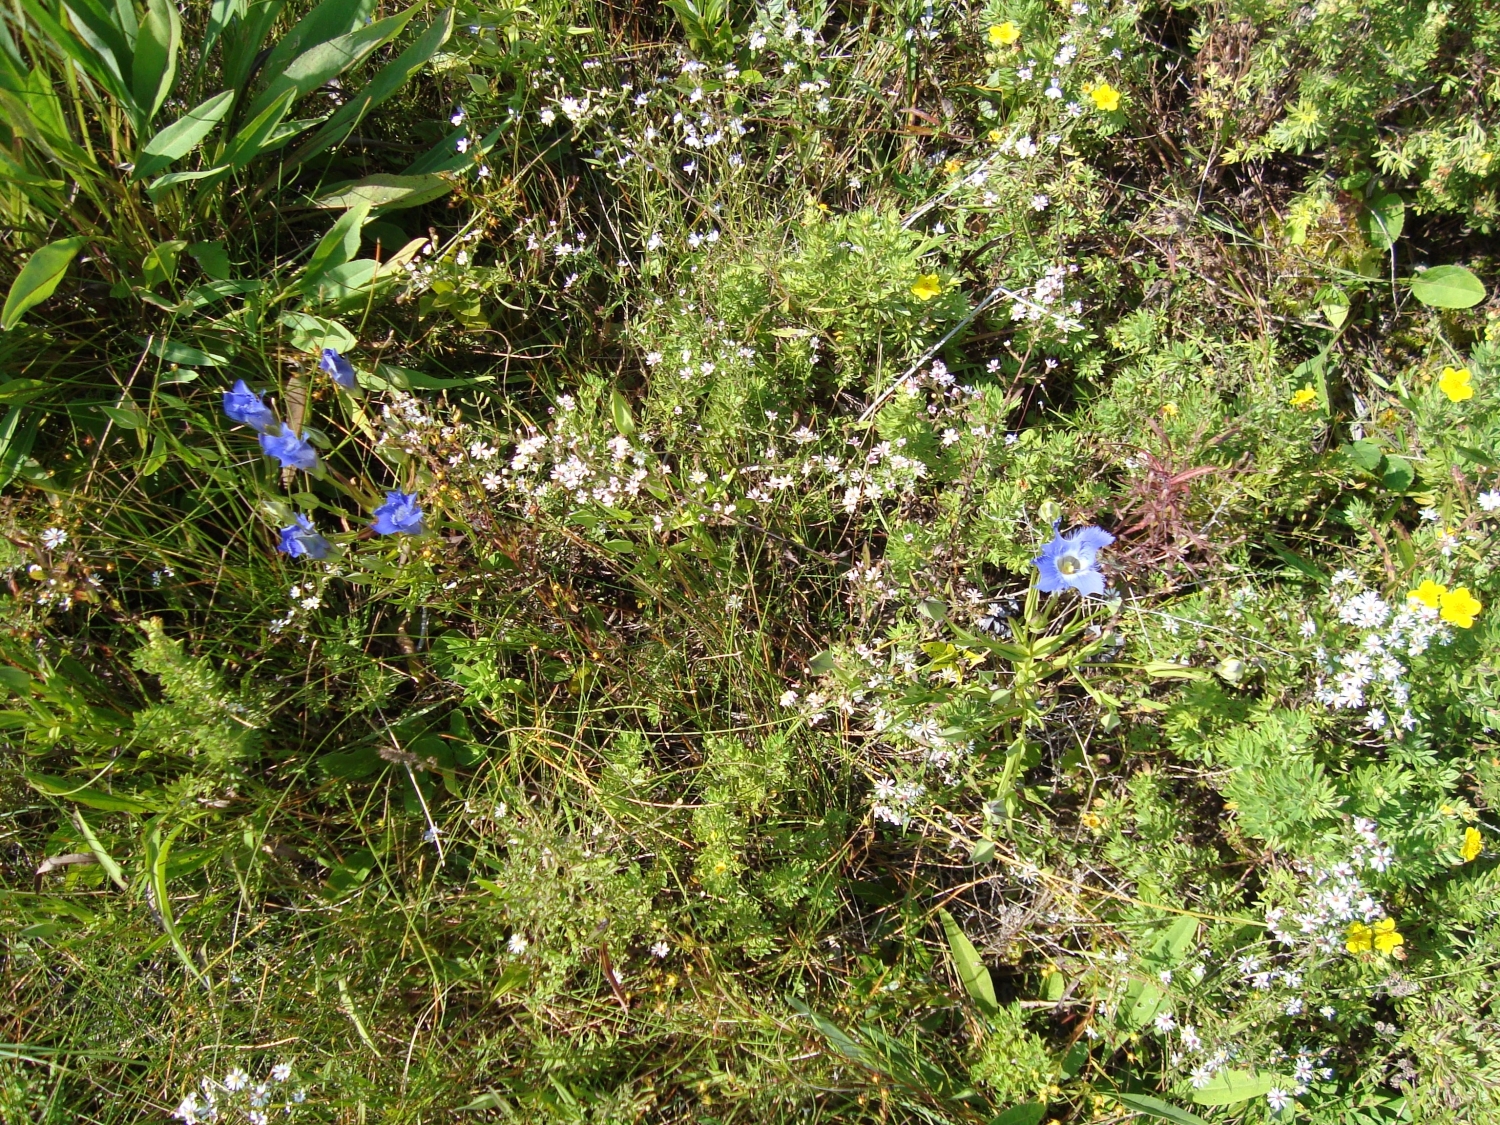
x,y
292,451
1071,560
399,515
243,405
340,368
303,539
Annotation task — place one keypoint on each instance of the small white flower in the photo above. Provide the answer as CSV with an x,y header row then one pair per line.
x,y
1165,1021
462,144
458,117
281,1072
1278,1099
236,1079
788,698
1490,501
53,538
1431,515
517,944
660,950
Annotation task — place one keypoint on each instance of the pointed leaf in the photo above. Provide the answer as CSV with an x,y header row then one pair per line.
x,y
255,138
39,278
390,79
1155,1107
182,136
1447,287
1026,1113
389,193
1231,1086
314,67
338,246
1384,218
326,21
154,68
971,971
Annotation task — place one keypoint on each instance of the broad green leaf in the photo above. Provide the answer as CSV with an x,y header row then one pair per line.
x,y
326,21
1383,219
1174,942
154,67
338,246
182,136
1155,1107
182,353
389,193
1148,1002
313,333
971,971
88,795
21,390
1447,287
1026,1113
99,46
314,67
619,410
254,138
17,435
159,266
1167,670
39,278
1399,474
245,37
212,259
350,281
127,418
390,79
1231,1086
1366,454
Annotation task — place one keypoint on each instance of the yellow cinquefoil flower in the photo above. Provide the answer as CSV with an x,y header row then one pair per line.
x,y
1106,97
1380,938
1304,398
1005,34
1454,382
1473,844
1459,607
928,286
1429,593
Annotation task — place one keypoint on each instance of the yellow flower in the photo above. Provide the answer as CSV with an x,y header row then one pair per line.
x,y
1459,607
928,286
1169,410
1429,593
1454,382
994,135
1473,845
1304,398
952,167
1106,97
1381,937
1004,35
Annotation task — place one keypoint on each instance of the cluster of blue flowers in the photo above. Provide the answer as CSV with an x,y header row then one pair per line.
x,y
399,515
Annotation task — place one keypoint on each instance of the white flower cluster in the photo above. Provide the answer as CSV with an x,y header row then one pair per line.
x,y
237,1098
894,801
1333,899
1370,673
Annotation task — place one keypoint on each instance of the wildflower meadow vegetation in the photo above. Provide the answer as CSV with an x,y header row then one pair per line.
x,y
760,561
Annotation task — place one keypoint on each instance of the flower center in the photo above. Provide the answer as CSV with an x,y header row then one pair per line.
x,y
1069,564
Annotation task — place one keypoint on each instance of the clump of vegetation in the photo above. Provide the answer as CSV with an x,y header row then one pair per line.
x,y
917,562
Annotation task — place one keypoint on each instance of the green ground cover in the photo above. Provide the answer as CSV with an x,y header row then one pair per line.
x,y
721,562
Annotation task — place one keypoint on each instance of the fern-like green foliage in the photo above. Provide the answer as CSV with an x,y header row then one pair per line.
x,y
201,718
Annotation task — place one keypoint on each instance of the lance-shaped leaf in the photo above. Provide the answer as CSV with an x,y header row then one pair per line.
x,y
39,278
312,68
153,68
390,79
971,971
338,246
182,136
